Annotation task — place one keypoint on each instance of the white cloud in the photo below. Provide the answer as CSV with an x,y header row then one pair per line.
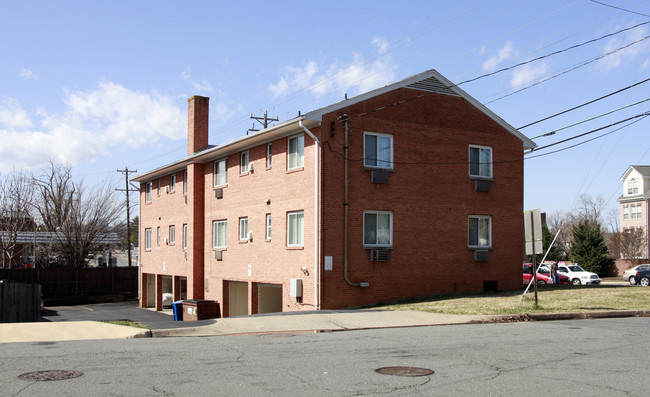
x,y
505,53
93,125
201,87
626,55
12,115
358,76
528,73
27,74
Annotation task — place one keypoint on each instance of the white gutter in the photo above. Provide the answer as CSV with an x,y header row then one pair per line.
x,y
316,214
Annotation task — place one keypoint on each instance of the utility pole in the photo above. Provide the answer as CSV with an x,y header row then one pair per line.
x,y
126,173
262,120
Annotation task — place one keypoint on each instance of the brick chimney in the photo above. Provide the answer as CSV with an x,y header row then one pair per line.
x,y
197,123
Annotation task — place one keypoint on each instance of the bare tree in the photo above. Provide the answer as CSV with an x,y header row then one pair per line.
x,y
78,218
629,244
563,222
591,209
16,207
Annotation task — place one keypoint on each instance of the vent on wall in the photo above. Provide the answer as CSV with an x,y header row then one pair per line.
x,y
218,193
218,255
481,255
379,255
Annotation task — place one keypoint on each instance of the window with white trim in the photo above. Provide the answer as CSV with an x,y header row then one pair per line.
x,y
219,234
148,187
147,239
268,226
377,229
295,228
480,161
626,212
172,235
296,152
269,155
479,231
158,236
220,172
633,186
245,162
378,150
172,183
243,229
185,236
636,211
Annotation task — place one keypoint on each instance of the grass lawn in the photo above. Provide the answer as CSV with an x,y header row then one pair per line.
x,y
550,300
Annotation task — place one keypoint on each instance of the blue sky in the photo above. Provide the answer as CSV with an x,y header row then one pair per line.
x,y
103,85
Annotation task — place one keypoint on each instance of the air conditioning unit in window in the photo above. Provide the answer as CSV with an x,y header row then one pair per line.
x,y
482,185
218,193
167,189
166,241
379,176
218,255
379,255
481,255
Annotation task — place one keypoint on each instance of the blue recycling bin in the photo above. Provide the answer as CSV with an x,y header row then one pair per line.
x,y
177,308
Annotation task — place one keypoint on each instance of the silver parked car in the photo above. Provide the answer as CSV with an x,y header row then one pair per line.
x,y
632,272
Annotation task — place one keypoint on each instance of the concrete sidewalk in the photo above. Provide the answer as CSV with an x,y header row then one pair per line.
x,y
293,322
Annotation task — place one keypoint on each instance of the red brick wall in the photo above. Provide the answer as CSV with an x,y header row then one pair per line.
x,y
431,197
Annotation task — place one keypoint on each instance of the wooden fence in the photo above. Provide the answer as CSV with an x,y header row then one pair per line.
x,y
19,302
60,284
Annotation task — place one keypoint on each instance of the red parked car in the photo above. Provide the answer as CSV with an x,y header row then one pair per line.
x,y
543,275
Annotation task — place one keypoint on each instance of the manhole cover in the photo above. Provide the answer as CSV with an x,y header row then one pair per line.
x,y
404,371
278,335
55,374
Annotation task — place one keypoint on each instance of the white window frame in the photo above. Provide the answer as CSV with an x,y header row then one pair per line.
x,y
268,227
480,219
626,212
158,189
373,161
216,236
172,183
482,172
635,212
147,239
245,162
632,187
158,235
172,235
294,225
221,172
243,228
148,187
185,182
296,157
185,236
377,244
269,155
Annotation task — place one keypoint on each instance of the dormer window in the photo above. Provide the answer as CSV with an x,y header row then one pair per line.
x,y
633,187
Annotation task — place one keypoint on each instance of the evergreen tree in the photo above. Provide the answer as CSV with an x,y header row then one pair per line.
x,y
555,254
589,249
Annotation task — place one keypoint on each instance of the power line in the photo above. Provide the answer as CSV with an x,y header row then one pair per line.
x,y
585,104
619,8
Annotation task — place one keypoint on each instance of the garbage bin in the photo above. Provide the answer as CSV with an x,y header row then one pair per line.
x,y
200,309
177,308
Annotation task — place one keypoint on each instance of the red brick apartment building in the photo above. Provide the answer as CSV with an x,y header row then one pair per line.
x,y
408,190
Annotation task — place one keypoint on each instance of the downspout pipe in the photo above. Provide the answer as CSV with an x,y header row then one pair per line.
x,y
316,214
346,122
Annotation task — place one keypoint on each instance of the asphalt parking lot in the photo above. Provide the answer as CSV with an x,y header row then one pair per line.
x,y
115,311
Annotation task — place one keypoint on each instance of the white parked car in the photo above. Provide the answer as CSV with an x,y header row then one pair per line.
x,y
632,272
167,299
578,275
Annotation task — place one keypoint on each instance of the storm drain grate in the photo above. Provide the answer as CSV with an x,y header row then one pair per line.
x,y
55,374
404,371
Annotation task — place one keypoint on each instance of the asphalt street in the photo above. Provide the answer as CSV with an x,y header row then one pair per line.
x,y
603,357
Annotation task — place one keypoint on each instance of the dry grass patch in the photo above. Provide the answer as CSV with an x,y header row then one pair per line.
x,y
550,300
